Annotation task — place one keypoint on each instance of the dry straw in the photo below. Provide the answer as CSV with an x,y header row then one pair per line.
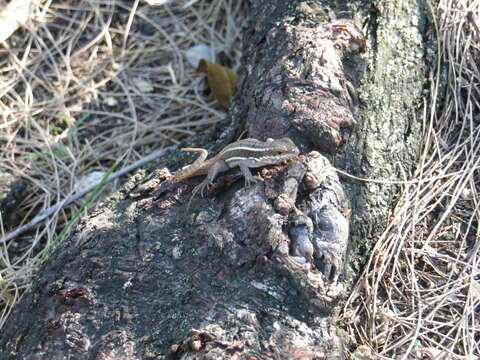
x,y
85,83
419,296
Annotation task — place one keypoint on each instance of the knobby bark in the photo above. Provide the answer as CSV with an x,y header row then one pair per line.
x,y
257,272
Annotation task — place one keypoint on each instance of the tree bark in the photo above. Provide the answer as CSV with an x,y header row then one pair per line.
x,y
257,272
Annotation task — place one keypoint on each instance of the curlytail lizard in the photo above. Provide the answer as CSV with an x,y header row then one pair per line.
x,y
247,153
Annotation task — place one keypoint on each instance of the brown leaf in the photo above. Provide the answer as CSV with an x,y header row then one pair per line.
x,y
221,81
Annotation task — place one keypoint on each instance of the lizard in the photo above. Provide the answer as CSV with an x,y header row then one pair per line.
x,y
246,154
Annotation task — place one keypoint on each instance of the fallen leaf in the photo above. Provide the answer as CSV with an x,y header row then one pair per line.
x,y
475,290
143,85
221,80
199,52
433,353
158,2
90,179
110,101
14,15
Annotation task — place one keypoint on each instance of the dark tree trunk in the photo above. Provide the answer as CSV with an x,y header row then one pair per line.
x,y
248,273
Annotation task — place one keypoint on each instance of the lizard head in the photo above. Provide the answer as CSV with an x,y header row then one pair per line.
x,y
284,148
276,152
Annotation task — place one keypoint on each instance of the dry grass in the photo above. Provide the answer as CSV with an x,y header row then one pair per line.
x,y
420,294
92,82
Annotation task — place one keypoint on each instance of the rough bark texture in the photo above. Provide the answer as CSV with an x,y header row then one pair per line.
x,y
388,136
246,273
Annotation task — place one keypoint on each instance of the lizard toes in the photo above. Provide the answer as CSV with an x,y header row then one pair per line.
x,y
250,181
204,186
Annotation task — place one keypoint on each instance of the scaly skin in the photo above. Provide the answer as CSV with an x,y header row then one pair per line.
x,y
246,154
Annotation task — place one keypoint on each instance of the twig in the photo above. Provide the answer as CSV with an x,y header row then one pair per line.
x,y
52,209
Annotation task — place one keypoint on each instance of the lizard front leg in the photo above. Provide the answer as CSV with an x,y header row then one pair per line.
x,y
249,178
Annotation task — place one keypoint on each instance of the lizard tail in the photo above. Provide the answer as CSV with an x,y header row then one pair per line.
x,y
188,170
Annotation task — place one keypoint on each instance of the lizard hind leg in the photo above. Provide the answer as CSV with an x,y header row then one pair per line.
x,y
205,184
217,167
200,187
